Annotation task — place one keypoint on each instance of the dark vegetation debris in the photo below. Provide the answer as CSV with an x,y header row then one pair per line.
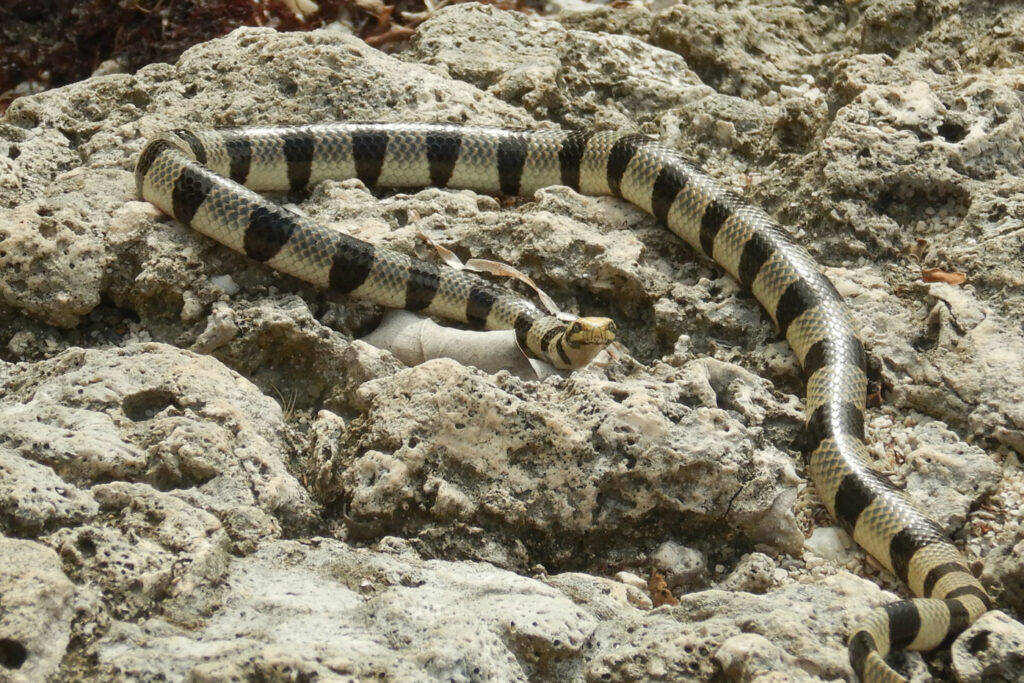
x,y
48,43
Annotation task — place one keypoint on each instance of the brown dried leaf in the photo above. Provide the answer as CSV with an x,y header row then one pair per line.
x,y
444,253
660,594
939,275
391,36
499,269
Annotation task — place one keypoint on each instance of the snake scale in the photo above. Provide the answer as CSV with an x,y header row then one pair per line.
x,y
209,180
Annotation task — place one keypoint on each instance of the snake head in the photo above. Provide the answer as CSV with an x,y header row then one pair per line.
x,y
583,339
590,331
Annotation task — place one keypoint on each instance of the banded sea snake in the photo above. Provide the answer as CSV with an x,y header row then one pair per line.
x,y
198,176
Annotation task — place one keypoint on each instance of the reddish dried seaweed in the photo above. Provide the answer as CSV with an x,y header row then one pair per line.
x,y
47,43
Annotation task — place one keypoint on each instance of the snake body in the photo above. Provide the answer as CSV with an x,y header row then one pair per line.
x,y
208,180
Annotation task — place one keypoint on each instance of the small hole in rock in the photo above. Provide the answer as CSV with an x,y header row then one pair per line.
x,y
86,546
952,132
978,643
145,404
12,654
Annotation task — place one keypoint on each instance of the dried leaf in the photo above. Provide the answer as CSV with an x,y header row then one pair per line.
x,y
660,594
505,270
445,254
391,36
497,269
939,275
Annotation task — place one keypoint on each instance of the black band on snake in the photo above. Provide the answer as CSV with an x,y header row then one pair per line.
x,y
198,176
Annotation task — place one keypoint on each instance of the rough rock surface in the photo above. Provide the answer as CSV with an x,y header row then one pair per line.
x,y
992,649
36,611
204,475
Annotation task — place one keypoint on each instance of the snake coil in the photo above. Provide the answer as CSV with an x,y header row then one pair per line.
x,y
208,180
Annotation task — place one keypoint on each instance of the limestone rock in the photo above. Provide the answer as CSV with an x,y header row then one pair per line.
x,y
170,412
35,611
992,649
